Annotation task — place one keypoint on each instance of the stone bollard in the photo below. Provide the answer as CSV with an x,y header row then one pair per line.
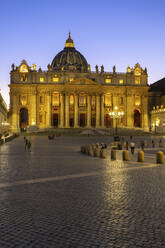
x,y
97,145
140,156
159,157
97,152
103,153
125,155
113,154
93,146
91,151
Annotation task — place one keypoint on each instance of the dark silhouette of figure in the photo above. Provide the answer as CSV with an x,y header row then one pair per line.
x,y
29,146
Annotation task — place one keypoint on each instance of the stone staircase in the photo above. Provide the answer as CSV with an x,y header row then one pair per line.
x,y
93,131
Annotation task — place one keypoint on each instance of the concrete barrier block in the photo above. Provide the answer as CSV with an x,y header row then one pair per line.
x,y
159,157
97,152
125,155
140,156
103,153
91,153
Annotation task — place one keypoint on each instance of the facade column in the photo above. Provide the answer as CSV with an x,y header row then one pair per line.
x,y
76,111
48,110
115,104
89,111
145,113
14,118
102,111
97,111
67,111
33,109
129,110
61,110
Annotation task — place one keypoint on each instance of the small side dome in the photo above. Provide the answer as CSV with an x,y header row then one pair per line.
x,y
69,59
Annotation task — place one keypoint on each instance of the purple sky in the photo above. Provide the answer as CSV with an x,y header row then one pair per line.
x,y
121,33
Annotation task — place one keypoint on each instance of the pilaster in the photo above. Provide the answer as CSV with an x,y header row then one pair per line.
x,y
89,111
67,111
75,111
102,111
14,112
48,110
97,111
61,110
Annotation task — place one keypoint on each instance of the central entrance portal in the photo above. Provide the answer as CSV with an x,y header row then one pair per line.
x,y
55,120
82,120
108,120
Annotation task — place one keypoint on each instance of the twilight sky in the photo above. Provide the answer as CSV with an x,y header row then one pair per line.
x,y
108,32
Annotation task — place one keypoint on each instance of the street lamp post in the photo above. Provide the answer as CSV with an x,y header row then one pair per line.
x,y
116,114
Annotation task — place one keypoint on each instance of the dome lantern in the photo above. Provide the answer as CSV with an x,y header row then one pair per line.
x,y
69,42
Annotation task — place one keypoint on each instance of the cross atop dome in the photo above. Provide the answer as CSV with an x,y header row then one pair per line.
x,y
69,41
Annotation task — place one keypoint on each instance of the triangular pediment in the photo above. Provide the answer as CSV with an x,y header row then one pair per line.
x,y
83,81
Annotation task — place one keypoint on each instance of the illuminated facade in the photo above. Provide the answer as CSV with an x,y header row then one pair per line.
x,y
157,106
69,95
3,114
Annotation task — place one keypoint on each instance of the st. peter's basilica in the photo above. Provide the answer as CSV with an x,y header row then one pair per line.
x,y
69,95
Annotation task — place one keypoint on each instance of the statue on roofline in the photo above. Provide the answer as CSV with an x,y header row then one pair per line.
x,y
97,69
114,69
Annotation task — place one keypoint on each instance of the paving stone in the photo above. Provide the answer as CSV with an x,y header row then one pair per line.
x,y
121,205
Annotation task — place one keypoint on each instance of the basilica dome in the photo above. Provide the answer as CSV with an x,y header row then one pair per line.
x,y
69,59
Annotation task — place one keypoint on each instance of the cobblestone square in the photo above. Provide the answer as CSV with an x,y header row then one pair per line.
x,y
55,196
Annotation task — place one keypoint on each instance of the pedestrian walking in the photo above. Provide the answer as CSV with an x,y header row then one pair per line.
x,y
132,145
126,144
29,146
26,143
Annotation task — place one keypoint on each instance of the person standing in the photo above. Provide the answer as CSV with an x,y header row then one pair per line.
x,y
132,145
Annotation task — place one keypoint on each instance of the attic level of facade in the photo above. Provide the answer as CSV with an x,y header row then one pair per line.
x,y
29,74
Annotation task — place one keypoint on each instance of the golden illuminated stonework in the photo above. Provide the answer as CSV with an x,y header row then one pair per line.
x,y
70,95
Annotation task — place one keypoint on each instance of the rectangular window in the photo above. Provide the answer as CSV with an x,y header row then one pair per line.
x,y
56,100
137,100
41,79
71,99
82,100
108,80
121,81
108,100
71,79
55,79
